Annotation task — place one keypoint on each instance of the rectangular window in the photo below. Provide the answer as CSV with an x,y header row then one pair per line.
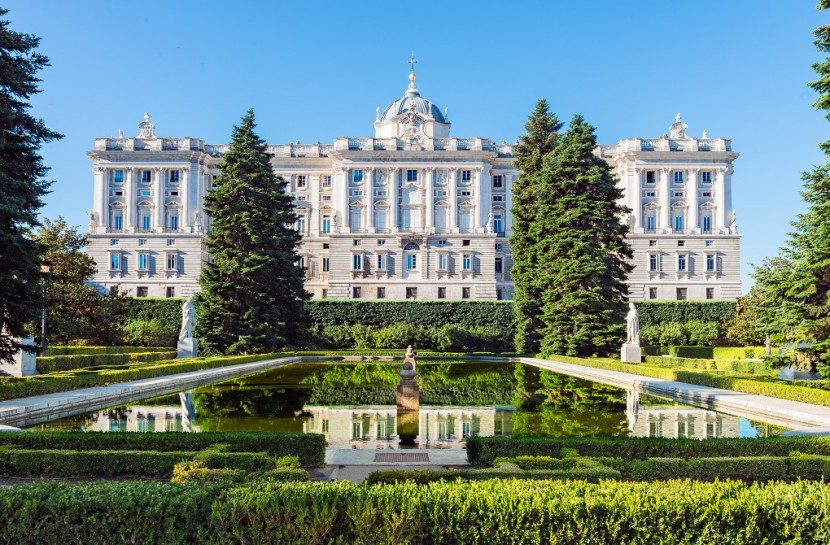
x,y
707,223
498,198
681,243
171,261
326,264
326,198
442,293
302,181
355,242
441,242
174,221
326,224
356,292
467,262
465,293
465,242
679,193
466,175
143,261
118,221
118,177
381,242
710,243
357,262
650,193
681,294
411,293
706,177
653,262
142,242
652,243
442,262
497,182
411,262
381,262
499,246
145,176
324,293
681,263
652,293
499,296
678,223
301,223
498,224
115,261
113,242
141,291
651,223
325,245
678,176
357,176
381,293
326,181
174,176
706,194
710,263
650,177
356,193
146,193
411,175
145,222
499,265
465,193
170,292
710,293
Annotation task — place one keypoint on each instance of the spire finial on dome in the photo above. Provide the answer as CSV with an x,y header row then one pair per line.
x,y
412,63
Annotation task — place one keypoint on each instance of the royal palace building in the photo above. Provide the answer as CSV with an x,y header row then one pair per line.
x,y
410,213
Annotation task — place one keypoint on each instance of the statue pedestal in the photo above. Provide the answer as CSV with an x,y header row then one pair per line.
x,y
407,394
187,348
25,361
631,353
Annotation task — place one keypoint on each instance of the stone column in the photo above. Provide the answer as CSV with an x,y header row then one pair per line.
x,y
478,223
340,192
508,204
158,201
344,217
453,226
101,204
187,209
484,199
369,195
720,220
394,205
665,202
691,199
129,201
429,201
727,197
635,198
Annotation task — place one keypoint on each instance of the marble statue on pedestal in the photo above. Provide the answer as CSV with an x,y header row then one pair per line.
x,y
187,346
631,351
24,362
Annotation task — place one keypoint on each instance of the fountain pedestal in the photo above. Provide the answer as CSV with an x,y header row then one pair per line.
x,y
408,391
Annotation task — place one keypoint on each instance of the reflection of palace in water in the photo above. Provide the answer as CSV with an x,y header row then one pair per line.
x,y
146,418
684,422
376,427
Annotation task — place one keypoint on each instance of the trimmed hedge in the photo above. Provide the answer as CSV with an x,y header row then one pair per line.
x,y
760,386
738,352
653,313
309,448
86,350
164,311
483,451
592,473
13,387
99,463
460,513
204,475
52,364
750,469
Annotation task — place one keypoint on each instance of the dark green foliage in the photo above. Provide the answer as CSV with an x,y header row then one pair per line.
x,y
193,472
165,311
483,451
12,387
102,463
398,336
152,333
590,471
21,184
310,448
755,468
52,364
530,152
581,242
89,350
252,289
699,352
654,313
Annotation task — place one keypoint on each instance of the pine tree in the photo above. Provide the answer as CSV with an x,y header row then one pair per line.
x,y
582,248
21,184
800,285
252,290
542,134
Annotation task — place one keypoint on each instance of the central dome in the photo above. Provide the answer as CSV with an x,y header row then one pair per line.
x,y
412,97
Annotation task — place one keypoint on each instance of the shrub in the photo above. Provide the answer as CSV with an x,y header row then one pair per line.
x,y
681,312
99,463
650,335
671,333
702,333
756,468
590,472
738,353
197,473
150,333
695,352
88,350
52,364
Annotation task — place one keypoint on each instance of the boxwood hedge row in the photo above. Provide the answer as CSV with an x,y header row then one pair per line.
x,y
653,313
72,350
51,364
494,512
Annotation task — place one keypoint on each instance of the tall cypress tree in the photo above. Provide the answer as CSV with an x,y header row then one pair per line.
x,y
542,134
252,290
800,283
581,249
21,184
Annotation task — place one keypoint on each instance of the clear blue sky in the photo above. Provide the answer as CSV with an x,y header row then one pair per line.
x,y
314,71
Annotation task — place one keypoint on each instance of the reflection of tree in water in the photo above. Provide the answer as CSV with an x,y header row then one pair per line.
x,y
229,400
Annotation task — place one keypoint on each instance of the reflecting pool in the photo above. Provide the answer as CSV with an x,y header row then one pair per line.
x,y
353,405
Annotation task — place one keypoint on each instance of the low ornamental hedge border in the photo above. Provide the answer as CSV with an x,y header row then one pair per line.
x,y
310,448
483,451
494,512
88,350
14,387
52,364
768,387
593,474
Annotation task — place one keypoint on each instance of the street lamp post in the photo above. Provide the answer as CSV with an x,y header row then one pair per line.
x,y
45,269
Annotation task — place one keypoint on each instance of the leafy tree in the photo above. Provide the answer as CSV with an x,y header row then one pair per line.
x,y
75,309
581,248
252,290
797,288
541,138
21,184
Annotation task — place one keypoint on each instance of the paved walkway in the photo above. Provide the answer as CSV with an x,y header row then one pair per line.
x,y
355,465
28,411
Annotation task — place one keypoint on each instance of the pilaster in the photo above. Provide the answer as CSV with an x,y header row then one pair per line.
x,y
369,194
394,200
692,200
429,201
158,201
665,202
129,201
453,226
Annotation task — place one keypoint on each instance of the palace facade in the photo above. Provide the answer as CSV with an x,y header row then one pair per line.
x,y
410,213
